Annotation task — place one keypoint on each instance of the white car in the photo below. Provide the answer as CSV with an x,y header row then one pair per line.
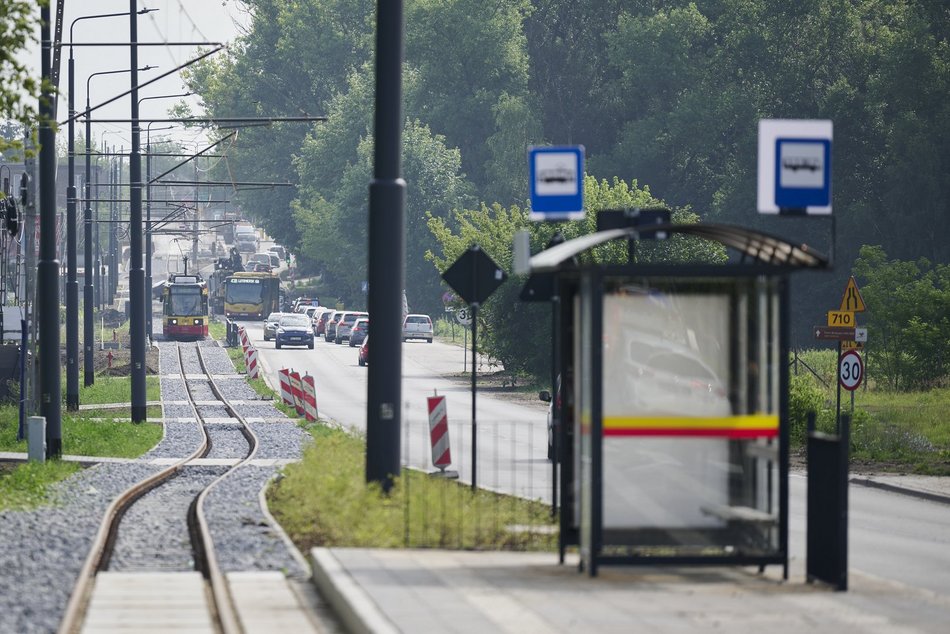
x,y
417,327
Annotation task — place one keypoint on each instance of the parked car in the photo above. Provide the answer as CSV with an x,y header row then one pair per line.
x,y
293,330
364,352
417,327
329,333
359,331
270,325
345,324
320,320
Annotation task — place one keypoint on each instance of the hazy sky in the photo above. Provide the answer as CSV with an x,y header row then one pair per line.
x,y
175,21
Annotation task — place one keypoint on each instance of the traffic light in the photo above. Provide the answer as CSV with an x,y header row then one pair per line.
x,y
11,216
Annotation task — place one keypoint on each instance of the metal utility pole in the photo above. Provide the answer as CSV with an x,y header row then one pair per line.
x,y
387,247
136,273
72,283
48,266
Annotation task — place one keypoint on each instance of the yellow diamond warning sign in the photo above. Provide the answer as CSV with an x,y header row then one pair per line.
x,y
851,299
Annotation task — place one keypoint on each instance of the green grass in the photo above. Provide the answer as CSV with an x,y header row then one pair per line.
x,y
897,431
117,389
26,486
324,501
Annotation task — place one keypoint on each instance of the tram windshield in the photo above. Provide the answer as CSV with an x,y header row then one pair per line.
x,y
186,301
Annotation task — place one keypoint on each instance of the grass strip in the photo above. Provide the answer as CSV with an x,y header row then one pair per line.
x,y
26,486
118,389
324,501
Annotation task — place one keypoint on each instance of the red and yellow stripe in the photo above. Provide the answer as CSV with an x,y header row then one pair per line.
x,y
742,426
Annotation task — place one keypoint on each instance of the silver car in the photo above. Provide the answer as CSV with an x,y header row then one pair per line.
x,y
270,325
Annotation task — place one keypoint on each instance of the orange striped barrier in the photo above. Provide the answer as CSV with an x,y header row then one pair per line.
x,y
439,432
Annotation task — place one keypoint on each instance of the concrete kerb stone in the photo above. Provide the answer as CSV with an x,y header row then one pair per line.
x,y
352,604
931,496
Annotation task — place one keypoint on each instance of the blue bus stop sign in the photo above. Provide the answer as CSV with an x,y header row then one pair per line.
x,y
556,176
794,166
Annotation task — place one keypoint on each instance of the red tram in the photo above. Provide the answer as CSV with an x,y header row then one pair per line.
x,y
185,307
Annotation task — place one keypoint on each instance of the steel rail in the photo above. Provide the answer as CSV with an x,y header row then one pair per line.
x,y
221,593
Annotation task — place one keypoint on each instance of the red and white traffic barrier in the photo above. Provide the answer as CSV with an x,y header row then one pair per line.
x,y
286,395
297,390
242,335
250,360
439,432
309,398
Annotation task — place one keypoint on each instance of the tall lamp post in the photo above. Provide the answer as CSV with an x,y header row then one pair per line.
x,y
72,284
89,367
136,274
148,211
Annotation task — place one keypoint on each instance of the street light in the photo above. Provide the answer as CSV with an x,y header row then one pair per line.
x,y
72,284
89,368
148,210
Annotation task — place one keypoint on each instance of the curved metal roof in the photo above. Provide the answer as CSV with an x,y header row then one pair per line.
x,y
763,247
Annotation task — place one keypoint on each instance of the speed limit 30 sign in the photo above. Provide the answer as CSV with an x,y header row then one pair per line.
x,y
850,370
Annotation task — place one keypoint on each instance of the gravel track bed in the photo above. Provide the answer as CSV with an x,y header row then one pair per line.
x,y
243,539
178,411
280,440
227,441
217,360
173,389
263,410
237,389
168,357
180,441
189,360
44,549
153,534
201,390
213,411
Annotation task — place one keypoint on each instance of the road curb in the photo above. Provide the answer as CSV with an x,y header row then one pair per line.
x,y
893,488
358,612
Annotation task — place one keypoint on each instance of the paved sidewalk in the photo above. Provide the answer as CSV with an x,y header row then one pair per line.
x,y
384,591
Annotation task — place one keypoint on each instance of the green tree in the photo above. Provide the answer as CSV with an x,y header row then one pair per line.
x,y
18,88
908,318
503,317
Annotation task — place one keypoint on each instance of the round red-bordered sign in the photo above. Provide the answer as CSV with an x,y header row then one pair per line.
x,y
850,370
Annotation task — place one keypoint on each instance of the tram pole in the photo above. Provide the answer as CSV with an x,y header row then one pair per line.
x,y
136,273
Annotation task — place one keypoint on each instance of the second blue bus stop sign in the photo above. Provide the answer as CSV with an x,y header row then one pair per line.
x,y
556,177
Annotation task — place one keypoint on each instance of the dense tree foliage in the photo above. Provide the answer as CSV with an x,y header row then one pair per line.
x,y
666,93
909,322
18,87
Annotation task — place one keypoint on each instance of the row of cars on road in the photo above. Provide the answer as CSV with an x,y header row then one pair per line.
x,y
308,322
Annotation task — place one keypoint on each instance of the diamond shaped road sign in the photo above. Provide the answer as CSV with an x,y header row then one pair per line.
x,y
474,276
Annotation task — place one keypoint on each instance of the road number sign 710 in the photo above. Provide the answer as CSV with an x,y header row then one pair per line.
x,y
841,318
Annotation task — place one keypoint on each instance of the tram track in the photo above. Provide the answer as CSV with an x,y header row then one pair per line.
x,y
121,518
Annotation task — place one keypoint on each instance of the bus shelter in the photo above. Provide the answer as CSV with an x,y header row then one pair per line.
x,y
674,442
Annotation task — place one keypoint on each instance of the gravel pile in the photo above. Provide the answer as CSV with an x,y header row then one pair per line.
x,y
44,549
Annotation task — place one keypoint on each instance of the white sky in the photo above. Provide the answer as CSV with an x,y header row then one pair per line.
x,y
175,21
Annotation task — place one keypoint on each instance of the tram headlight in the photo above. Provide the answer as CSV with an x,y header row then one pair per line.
x,y
197,322
174,322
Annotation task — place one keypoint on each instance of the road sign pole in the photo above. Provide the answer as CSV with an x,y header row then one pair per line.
x,y
474,365
838,399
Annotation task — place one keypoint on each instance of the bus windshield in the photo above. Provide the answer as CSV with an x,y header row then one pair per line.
x,y
243,291
186,301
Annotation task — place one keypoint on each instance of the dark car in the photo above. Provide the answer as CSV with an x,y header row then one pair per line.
x,y
293,330
359,331
364,352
